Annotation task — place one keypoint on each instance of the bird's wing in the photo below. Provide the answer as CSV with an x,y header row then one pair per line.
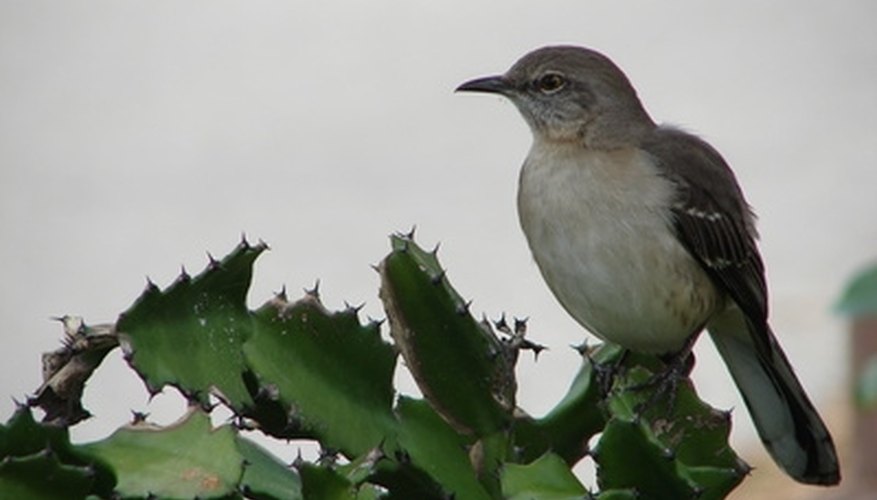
x,y
712,219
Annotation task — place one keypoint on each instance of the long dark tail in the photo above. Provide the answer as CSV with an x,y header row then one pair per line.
x,y
786,420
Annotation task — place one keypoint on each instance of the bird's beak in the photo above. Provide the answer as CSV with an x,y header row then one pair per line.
x,y
491,84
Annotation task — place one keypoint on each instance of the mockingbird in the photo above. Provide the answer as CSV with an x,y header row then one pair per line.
x,y
643,234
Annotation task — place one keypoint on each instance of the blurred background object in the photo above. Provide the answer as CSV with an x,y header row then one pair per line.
x,y
859,305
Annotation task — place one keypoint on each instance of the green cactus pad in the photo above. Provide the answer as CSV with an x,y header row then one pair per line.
x,y
546,478
265,477
460,366
43,476
190,335
331,374
37,461
567,428
185,460
433,446
672,445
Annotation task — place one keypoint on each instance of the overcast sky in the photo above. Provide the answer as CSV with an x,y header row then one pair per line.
x,y
137,136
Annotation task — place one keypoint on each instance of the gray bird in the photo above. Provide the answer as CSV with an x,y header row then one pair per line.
x,y
643,234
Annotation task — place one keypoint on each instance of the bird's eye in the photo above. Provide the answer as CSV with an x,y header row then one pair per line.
x,y
550,83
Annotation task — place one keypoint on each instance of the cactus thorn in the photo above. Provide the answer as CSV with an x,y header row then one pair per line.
x,y
281,295
153,391
352,308
502,325
138,417
410,234
582,348
402,457
184,275
328,456
314,292
669,454
298,461
521,325
437,278
532,346
435,249
463,308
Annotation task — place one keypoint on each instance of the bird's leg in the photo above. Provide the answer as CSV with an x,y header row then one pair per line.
x,y
677,366
606,372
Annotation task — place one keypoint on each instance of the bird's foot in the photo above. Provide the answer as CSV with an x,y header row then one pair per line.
x,y
664,384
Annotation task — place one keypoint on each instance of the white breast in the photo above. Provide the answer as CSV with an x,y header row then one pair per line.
x,y
600,229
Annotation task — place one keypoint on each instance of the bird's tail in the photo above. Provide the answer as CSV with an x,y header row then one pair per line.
x,y
786,420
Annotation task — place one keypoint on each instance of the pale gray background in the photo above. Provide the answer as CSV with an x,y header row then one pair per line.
x,y
135,137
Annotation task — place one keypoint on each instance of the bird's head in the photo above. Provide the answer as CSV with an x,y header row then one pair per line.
x,y
568,93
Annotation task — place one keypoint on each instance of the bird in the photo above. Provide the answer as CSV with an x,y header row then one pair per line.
x,y
643,234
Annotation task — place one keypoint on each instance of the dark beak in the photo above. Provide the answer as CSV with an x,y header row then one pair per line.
x,y
490,84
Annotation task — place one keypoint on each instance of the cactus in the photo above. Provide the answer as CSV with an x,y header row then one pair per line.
x,y
191,334
189,459
293,369
38,461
